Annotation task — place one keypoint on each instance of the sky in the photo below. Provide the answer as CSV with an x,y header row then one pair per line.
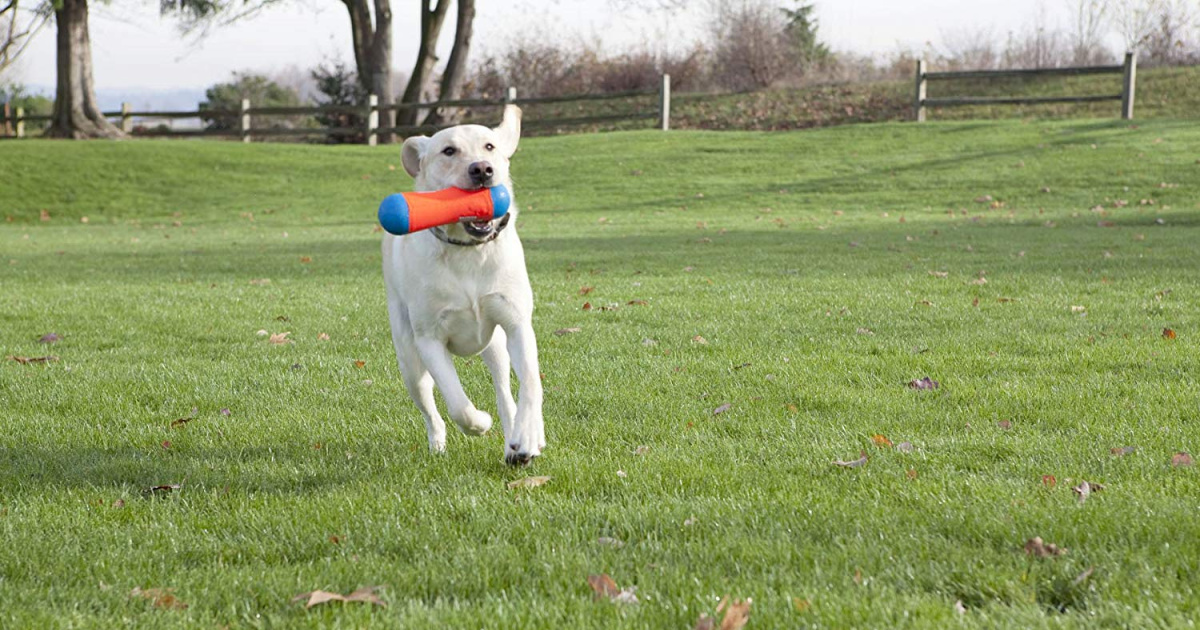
x,y
136,50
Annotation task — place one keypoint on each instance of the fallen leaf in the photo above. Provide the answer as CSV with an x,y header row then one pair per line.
x,y
1181,459
364,595
1083,491
637,303
604,587
175,424
567,331
1049,481
53,338
360,364
587,306
44,214
649,342
280,338
864,331
323,337
700,340
862,459
1037,547
881,441
1005,424
306,259
166,445
641,450
722,409
163,489
528,482
119,503
1083,577
924,384
160,597
1078,309
911,474
586,290
923,303
736,615
1168,333
705,622
225,411
611,542
28,360
939,274
1121,451
801,605
905,447
983,199
259,282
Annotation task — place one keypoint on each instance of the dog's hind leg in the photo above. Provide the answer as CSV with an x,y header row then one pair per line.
x,y
495,355
416,378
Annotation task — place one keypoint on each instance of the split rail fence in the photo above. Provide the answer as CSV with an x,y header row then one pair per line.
x,y
13,120
921,102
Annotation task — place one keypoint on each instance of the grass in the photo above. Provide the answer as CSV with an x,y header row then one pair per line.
x,y
802,259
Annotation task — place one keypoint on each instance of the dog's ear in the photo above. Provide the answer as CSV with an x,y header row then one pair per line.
x,y
412,152
509,131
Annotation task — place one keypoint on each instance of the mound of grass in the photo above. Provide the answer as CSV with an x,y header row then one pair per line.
x,y
797,282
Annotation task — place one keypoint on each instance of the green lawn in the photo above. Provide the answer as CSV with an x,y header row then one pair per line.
x,y
802,260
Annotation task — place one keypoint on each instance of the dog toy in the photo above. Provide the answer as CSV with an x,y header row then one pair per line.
x,y
405,213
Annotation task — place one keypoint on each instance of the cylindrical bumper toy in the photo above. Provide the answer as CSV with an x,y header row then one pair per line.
x,y
405,213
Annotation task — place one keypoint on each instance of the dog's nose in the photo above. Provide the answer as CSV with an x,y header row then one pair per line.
x,y
480,172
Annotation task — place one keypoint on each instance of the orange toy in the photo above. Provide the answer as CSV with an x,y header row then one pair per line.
x,y
405,213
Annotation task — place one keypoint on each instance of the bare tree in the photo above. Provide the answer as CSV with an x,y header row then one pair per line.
x,y
433,15
76,113
751,50
1134,20
1088,22
18,26
455,72
1171,40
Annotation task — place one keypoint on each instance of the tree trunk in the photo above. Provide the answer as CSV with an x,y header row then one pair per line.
x,y
76,114
431,27
372,37
452,78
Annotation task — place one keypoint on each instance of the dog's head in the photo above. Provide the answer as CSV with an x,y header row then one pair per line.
x,y
468,157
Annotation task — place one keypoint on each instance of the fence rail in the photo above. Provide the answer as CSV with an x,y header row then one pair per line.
x,y
921,101
13,120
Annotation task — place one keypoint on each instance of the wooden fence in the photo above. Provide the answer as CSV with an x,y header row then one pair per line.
x,y
13,120
1129,69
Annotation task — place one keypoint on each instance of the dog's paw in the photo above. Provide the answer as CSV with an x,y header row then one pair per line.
x,y
437,446
517,455
475,422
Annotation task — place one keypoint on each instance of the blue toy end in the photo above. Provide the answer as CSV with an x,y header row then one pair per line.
x,y
393,214
501,200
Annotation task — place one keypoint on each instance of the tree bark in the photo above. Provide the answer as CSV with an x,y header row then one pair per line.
x,y
76,114
452,77
372,39
431,27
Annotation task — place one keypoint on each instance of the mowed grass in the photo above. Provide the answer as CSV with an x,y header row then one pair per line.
x,y
802,260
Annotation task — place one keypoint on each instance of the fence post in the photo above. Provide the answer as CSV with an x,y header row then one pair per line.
x,y
126,118
372,119
1128,86
20,122
919,99
245,122
664,103
6,130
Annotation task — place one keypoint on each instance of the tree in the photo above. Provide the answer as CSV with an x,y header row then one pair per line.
x,y
18,26
76,113
1088,18
258,89
455,72
801,29
339,85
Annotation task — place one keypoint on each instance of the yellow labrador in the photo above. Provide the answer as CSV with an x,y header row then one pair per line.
x,y
463,289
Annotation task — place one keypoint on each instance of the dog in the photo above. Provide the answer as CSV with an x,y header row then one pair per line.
x,y
463,290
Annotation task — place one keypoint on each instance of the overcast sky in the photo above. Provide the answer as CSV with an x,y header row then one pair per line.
x,y
134,48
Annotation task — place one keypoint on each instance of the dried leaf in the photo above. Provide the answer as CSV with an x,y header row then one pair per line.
x,y
700,340
862,459
587,306
163,489
924,384
611,542
1168,333
801,605
637,303
585,290
528,482
641,450
1122,451
905,447
53,338
864,331
260,282
736,615
722,409
911,474
1181,459
360,364
364,595
280,338
1083,491
1049,481
323,337
1005,424
603,586
939,274
160,597
567,331
175,424
1041,549
881,441
306,259
28,360
705,622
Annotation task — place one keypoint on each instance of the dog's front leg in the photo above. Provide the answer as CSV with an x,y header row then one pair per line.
x,y
528,435
441,366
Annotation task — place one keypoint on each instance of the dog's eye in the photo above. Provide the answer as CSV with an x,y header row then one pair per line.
x,y
489,146
448,151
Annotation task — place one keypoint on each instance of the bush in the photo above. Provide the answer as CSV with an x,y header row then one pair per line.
x,y
339,85
33,104
261,92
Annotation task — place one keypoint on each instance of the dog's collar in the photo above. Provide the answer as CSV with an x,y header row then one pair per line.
x,y
441,235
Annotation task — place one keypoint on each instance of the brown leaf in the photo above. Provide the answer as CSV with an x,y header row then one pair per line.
x,y
1181,459
1005,424
364,595
587,306
323,337
939,274
1049,481
705,622
586,290
119,503
862,459
881,441
306,259
604,587
28,360
360,364
1122,451
166,445
160,597
280,338
801,605
911,474
175,424
163,489
641,450
1168,333
260,282
924,384
637,303
736,615
567,331
49,338
864,331
722,409
1041,549
528,482
700,340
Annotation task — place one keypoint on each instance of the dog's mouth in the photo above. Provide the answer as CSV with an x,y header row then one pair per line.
x,y
479,229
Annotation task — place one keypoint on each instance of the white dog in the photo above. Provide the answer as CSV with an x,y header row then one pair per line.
x,y
463,289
